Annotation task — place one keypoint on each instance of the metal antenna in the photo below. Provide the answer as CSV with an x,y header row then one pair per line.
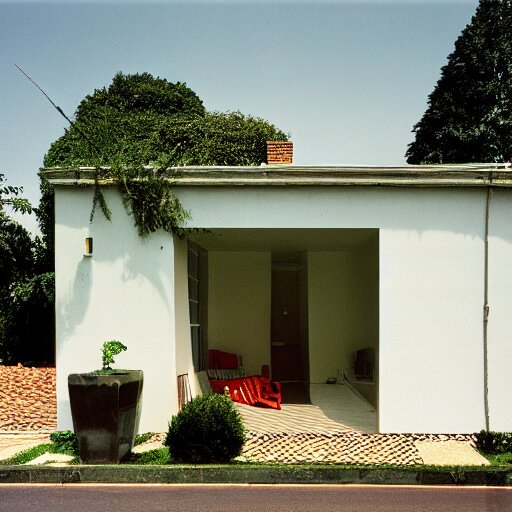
x,y
61,112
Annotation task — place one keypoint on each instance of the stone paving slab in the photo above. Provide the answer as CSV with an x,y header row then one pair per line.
x,y
450,453
310,434
344,447
11,444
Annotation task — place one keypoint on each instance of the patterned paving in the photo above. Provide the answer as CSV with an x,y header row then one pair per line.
x,y
345,447
338,428
327,433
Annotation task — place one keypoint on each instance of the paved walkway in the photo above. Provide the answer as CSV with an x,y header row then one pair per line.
x,y
11,444
339,427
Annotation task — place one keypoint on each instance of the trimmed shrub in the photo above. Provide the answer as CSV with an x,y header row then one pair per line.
x,y
64,441
494,442
207,430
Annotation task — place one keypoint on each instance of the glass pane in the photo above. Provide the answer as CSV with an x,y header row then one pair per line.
x,y
193,263
194,312
195,334
193,288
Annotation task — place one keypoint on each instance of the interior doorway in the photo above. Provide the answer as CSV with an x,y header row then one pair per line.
x,y
289,332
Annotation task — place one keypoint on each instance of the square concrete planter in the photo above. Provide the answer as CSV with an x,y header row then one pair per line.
x,y
106,413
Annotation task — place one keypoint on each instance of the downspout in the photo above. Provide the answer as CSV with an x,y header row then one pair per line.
x,y
486,301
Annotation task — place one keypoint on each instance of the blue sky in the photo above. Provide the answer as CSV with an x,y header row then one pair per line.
x,y
347,79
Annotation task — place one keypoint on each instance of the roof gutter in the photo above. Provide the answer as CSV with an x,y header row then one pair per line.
x,y
474,175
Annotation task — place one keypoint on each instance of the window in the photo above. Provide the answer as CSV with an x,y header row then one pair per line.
x,y
197,304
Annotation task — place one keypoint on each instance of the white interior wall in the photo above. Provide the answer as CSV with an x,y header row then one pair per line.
x,y
366,272
366,269
239,305
124,291
333,325
343,307
431,285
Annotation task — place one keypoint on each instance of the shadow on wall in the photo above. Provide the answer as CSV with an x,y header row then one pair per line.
x,y
119,255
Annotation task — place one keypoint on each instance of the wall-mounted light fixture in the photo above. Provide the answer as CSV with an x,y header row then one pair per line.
x,y
88,247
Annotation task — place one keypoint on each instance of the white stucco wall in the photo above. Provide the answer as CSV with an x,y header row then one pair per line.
x,y
239,305
124,291
500,312
431,267
431,286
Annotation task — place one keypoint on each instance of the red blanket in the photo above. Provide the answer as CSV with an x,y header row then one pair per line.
x,y
252,390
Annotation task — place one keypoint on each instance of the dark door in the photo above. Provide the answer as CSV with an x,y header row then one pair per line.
x,y
286,350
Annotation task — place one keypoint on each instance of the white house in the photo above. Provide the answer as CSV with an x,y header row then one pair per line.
x,y
301,268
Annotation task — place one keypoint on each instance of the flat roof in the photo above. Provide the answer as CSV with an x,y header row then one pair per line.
x,y
466,175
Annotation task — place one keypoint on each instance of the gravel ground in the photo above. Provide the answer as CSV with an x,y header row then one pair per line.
x,y
28,401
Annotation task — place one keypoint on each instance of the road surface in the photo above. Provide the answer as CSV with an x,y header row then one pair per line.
x,y
260,498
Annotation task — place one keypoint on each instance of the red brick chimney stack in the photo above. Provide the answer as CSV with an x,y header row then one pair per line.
x,y
279,152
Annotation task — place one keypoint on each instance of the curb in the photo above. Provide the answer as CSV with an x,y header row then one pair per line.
x,y
253,475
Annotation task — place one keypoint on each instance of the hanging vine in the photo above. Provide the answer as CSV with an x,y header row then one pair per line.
x,y
147,196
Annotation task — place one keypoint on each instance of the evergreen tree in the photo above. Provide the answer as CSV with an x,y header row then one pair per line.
x,y
469,113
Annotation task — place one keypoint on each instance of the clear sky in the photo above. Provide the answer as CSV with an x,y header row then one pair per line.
x,y
346,79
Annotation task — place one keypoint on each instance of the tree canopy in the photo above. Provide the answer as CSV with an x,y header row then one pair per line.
x,y
26,293
137,120
142,120
469,113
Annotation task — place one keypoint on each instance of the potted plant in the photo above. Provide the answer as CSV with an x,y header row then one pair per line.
x,y
105,406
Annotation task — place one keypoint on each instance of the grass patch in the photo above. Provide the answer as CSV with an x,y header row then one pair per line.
x,y
143,438
159,456
499,459
27,455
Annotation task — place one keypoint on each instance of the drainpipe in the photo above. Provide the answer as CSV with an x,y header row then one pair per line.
x,y
486,301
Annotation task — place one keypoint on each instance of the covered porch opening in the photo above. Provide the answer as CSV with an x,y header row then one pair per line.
x,y
304,302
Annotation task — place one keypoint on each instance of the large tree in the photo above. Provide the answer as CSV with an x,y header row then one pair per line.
x,y
469,113
26,293
139,120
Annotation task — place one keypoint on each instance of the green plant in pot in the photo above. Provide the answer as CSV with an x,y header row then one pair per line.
x,y
105,406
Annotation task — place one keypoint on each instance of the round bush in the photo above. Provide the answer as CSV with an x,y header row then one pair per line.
x,y
207,430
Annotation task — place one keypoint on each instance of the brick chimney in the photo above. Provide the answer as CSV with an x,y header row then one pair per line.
x,y
279,152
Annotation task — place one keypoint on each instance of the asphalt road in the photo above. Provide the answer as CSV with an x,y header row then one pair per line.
x,y
260,498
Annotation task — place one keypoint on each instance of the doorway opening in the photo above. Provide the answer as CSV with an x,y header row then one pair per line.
x,y
303,302
289,325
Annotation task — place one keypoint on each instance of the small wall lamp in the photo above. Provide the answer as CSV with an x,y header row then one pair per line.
x,y
88,247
